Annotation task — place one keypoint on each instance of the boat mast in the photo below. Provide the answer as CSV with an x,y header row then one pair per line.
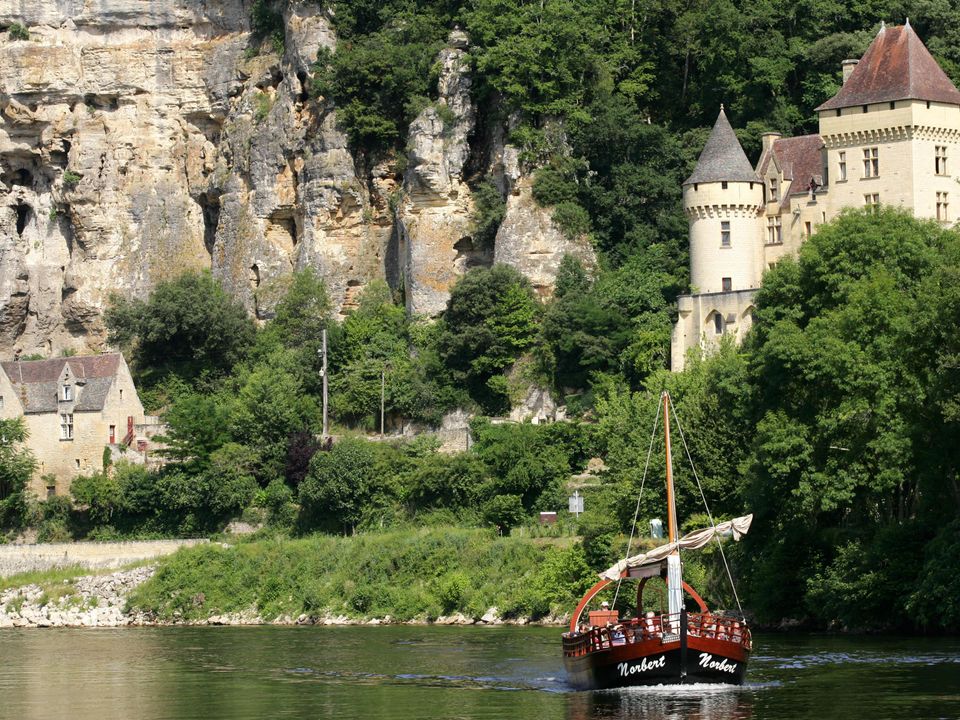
x,y
671,502
674,575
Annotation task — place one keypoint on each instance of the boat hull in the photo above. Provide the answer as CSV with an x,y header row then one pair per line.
x,y
656,663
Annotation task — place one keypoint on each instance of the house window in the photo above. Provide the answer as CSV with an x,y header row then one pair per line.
x,y
940,159
942,206
113,434
774,230
842,166
718,323
67,393
872,201
66,426
725,233
808,229
871,162
774,190
726,284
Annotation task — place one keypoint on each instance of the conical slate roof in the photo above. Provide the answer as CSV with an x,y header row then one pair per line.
x,y
722,157
896,66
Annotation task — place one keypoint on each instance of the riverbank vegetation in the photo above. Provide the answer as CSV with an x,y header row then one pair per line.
x,y
836,422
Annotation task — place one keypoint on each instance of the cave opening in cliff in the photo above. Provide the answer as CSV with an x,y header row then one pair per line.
x,y
24,215
21,176
211,219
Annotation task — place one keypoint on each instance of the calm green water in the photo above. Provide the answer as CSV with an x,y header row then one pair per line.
x,y
422,673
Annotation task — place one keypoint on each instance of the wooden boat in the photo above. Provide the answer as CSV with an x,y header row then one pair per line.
x,y
673,647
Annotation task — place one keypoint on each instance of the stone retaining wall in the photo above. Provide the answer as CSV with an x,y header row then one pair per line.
x,y
93,555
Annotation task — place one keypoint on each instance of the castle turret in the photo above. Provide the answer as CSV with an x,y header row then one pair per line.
x,y
723,199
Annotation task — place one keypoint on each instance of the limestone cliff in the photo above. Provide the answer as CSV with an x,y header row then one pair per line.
x,y
139,139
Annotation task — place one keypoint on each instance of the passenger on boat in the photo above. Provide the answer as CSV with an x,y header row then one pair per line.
x,y
650,625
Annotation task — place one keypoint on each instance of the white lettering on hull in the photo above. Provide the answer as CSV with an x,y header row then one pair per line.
x,y
627,669
707,661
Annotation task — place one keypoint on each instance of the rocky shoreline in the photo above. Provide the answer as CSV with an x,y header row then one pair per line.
x,y
100,601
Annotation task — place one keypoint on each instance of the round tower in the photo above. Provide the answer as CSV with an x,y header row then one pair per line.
x,y
723,200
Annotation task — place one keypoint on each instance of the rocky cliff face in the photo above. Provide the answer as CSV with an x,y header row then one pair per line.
x,y
139,139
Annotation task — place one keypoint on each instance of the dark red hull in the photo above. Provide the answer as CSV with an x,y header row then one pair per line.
x,y
653,662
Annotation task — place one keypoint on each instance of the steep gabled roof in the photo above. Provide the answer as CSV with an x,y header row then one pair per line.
x,y
722,157
36,381
799,160
896,66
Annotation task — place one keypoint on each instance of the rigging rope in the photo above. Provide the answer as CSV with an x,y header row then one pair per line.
x,y
707,508
636,512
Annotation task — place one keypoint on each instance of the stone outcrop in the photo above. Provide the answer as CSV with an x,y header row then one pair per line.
x,y
435,214
139,140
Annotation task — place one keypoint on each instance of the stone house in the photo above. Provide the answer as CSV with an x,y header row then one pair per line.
x,y
74,408
891,136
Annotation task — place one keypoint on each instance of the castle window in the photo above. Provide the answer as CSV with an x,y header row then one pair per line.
x,y
695,187
865,108
940,159
726,284
718,323
774,190
808,229
723,185
893,105
838,112
67,394
842,166
66,426
872,201
724,233
113,434
871,162
1,402
942,206
774,230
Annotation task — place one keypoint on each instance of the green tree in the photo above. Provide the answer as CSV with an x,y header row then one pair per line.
x,y
188,326
339,484
17,465
489,322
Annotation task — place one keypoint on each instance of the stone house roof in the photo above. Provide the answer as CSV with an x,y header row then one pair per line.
x,y
896,66
799,160
36,382
722,157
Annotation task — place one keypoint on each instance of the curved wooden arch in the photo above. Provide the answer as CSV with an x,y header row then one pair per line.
x,y
592,593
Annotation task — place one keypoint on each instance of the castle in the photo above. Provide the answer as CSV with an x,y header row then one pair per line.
x,y
891,135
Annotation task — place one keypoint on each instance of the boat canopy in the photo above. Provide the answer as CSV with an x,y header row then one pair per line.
x,y
691,541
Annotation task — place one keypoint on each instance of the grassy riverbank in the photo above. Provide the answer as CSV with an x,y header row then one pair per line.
x,y
421,574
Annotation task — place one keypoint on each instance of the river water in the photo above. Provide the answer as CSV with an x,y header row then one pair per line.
x,y
443,672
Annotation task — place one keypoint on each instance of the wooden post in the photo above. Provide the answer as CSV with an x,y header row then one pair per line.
x,y
323,372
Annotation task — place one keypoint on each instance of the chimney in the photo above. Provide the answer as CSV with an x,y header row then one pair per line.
x,y
848,67
769,138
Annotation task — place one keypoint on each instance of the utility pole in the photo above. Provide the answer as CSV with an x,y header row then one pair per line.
x,y
383,385
323,374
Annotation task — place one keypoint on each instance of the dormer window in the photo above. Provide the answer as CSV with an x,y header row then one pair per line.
x,y
66,393
774,190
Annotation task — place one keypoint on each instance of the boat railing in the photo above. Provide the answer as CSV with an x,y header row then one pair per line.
x,y
664,628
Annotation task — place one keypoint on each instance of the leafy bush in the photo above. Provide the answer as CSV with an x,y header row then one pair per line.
x,y
18,31
71,179
489,209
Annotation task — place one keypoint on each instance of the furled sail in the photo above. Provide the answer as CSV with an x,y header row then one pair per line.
x,y
691,541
